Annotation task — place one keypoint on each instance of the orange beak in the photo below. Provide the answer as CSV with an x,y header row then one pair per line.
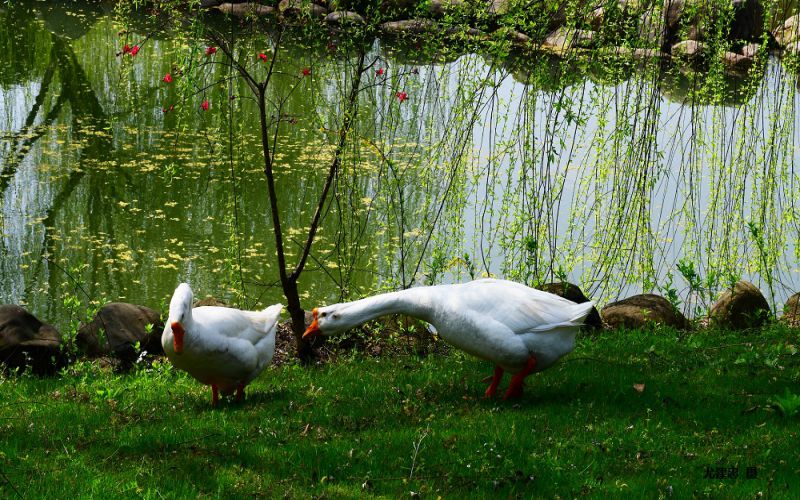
x,y
313,328
177,336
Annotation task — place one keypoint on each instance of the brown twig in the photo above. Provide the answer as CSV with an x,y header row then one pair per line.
x,y
8,482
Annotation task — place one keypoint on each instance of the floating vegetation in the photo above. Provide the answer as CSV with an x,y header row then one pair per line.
x,y
623,176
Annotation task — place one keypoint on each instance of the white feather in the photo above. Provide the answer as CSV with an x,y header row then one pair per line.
x,y
222,346
496,320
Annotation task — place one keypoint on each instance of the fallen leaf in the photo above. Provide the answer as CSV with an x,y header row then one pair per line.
x,y
639,388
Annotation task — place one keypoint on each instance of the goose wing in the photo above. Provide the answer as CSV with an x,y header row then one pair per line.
x,y
250,326
520,308
212,358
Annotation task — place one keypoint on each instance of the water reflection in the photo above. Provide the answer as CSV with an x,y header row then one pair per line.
x,y
611,173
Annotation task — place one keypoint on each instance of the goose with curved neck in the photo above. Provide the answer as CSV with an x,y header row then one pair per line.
x,y
520,329
219,346
411,302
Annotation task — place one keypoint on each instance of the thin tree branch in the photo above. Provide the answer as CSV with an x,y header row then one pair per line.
x,y
346,124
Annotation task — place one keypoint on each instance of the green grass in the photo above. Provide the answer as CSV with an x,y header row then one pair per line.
x,y
394,425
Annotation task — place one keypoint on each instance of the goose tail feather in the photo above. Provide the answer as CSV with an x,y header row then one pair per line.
x,y
269,316
574,317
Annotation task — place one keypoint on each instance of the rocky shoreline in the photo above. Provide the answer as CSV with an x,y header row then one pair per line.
x,y
124,333
733,32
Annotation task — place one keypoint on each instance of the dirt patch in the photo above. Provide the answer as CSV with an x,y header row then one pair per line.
x,y
391,335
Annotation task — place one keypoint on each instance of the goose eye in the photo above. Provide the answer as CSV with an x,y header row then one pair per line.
x,y
323,314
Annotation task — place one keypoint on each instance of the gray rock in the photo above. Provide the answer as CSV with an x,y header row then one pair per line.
x,y
342,17
642,311
566,38
299,8
742,306
750,50
499,7
317,11
27,342
467,31
439,8
791,311
519,39
115,330
737,63
635,53
640,53
407,26
245,9
689,49
554,13
696,31
788,32
476,33
596,18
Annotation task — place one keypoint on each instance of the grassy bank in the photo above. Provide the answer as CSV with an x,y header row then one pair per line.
x,y
389,426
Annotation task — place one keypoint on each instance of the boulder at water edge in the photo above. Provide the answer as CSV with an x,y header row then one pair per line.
x,y
27,342
115,330
344,17
575,294
643,310
742,306
439,8
299,8
791,311
407,27
788,32
689,49
245,9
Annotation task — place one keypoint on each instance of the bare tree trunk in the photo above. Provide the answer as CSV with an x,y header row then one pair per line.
x,y
298,316
288,283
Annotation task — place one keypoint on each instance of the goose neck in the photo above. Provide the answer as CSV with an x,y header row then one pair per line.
x,y
412,302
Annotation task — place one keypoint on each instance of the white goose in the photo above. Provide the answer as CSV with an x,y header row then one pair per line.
x,y
519,329
219,346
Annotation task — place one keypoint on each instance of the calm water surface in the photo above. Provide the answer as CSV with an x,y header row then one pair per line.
x,y
612,176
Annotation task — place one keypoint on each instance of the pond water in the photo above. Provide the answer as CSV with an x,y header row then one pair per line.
x,y
620,177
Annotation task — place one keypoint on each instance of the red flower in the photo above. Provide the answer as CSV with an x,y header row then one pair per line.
x,y
163,110
306,71
262,56
167,78
171,107
211,51
380,72
402,96
126,49
134,50
204,106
